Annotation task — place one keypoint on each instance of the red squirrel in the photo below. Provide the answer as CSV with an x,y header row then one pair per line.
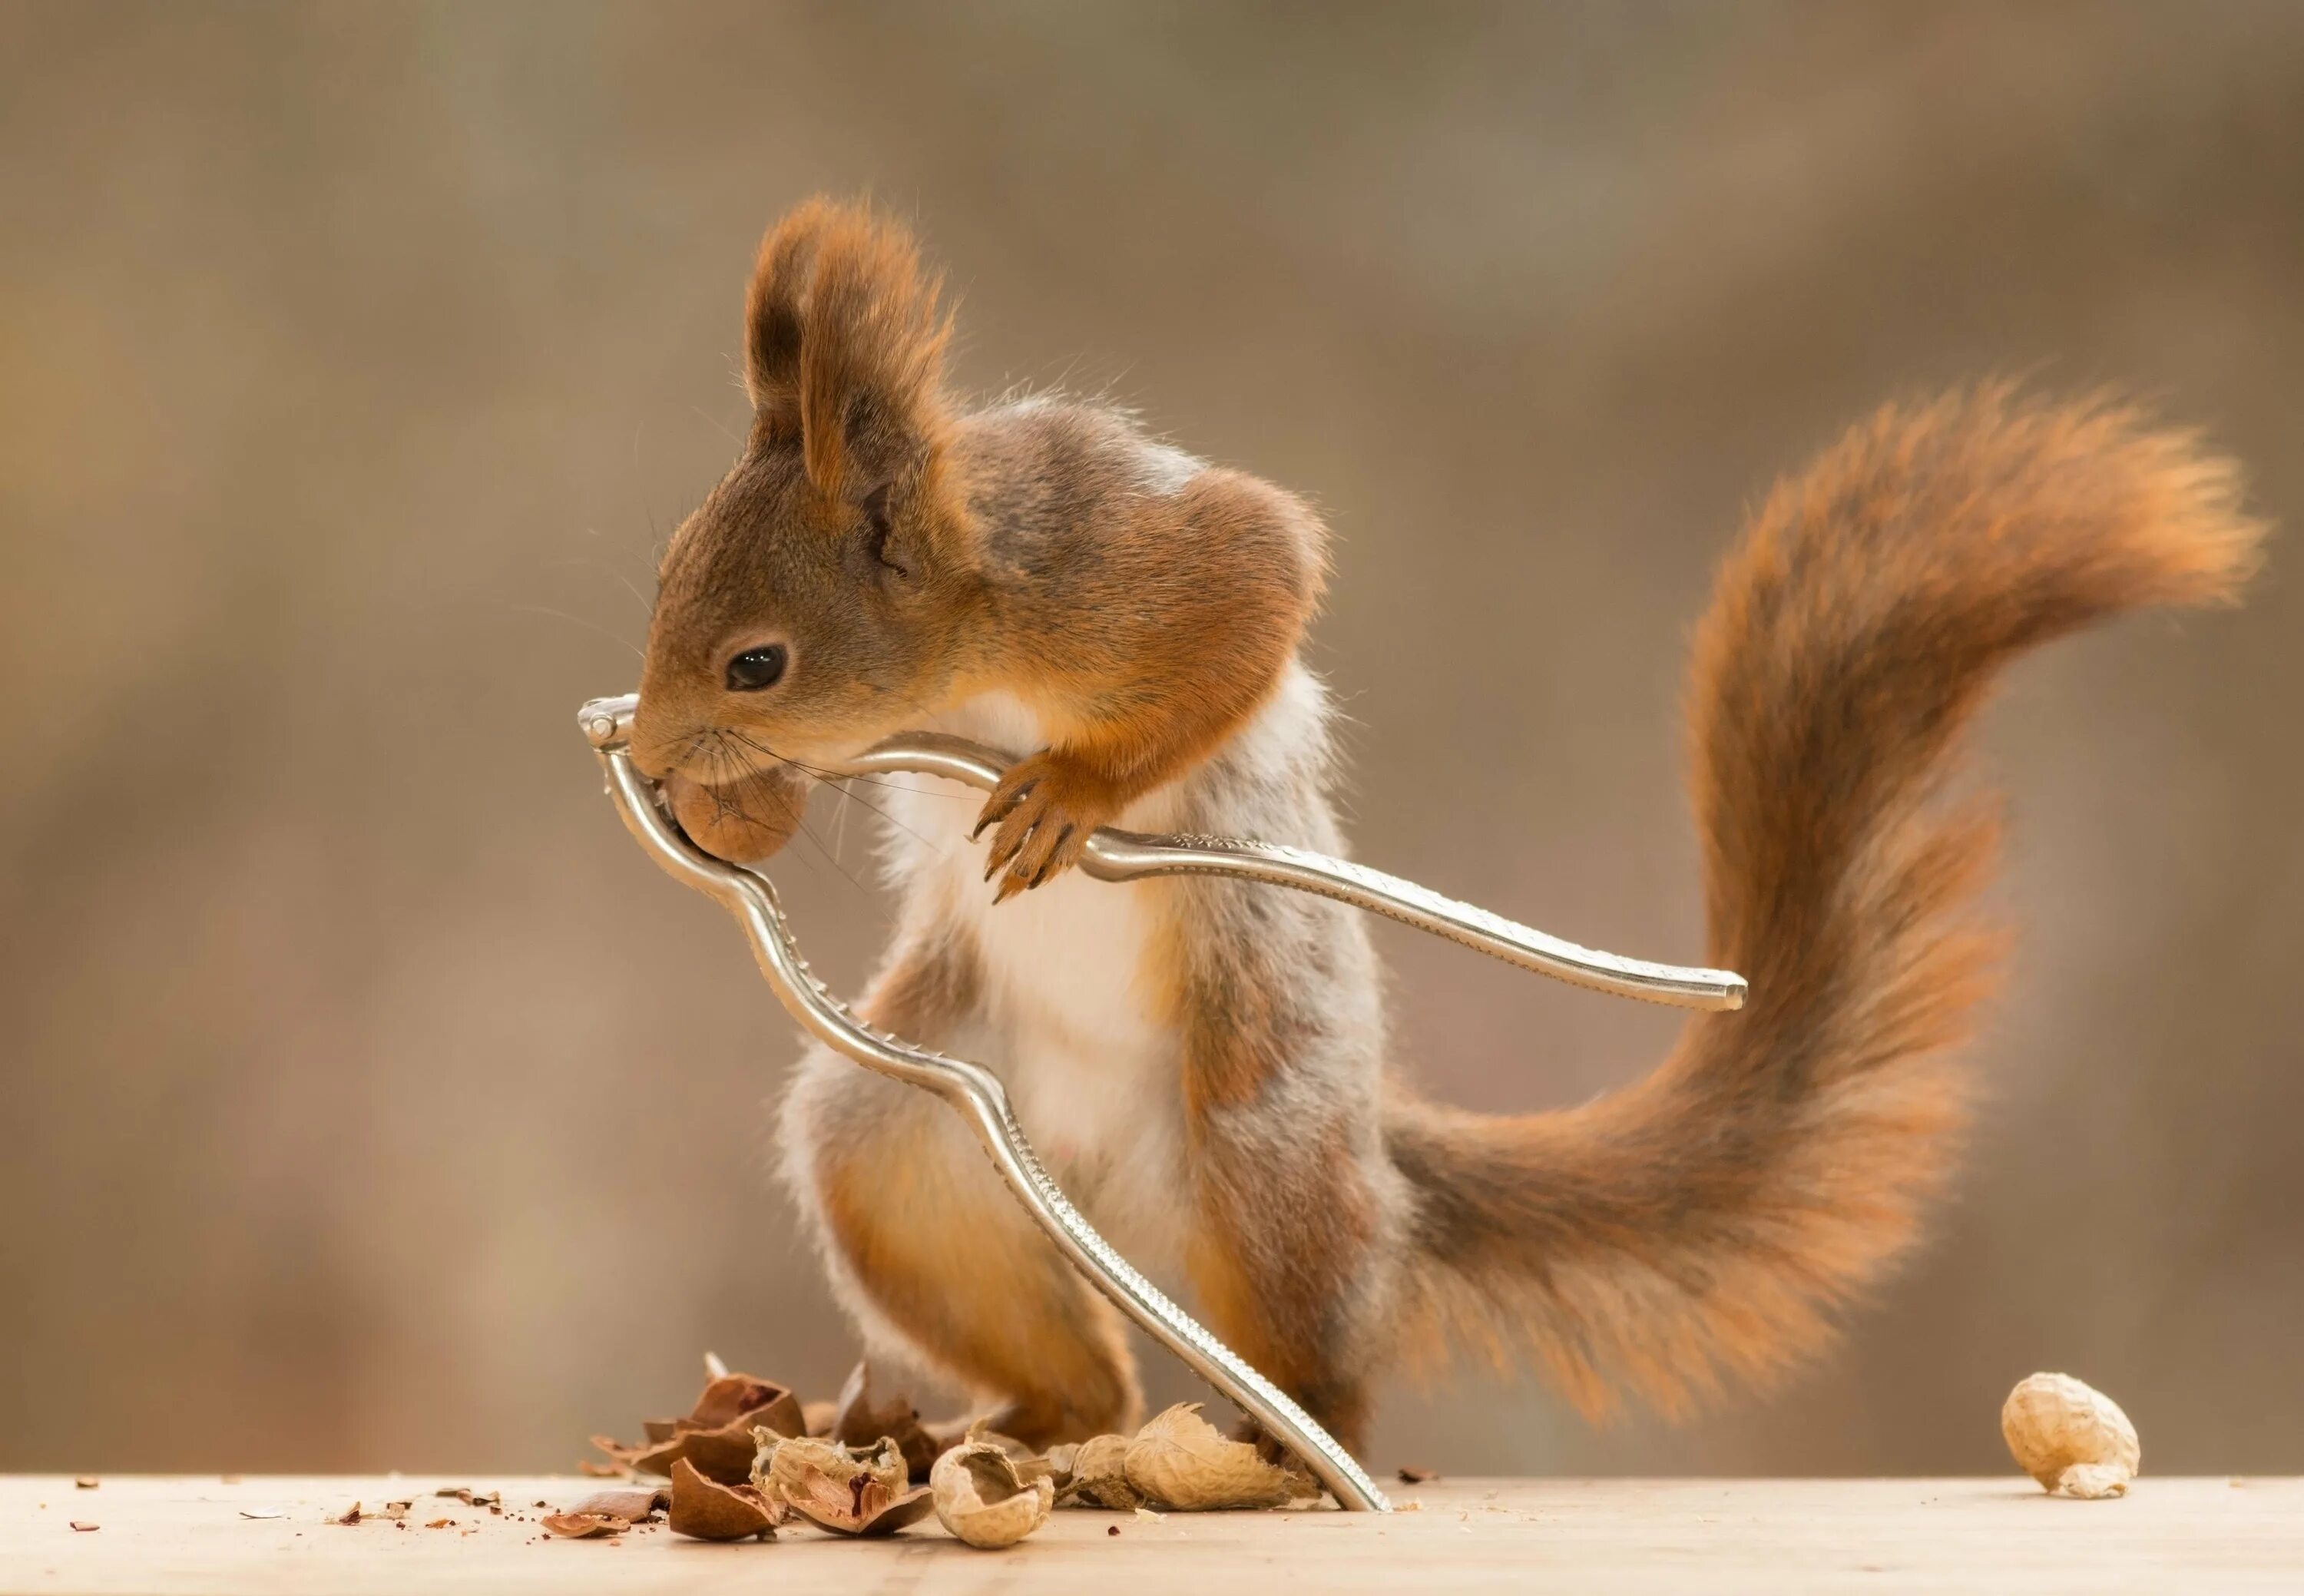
x,y
1203,1063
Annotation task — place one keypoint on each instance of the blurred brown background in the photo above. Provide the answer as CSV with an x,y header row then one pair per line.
x,y
371,1102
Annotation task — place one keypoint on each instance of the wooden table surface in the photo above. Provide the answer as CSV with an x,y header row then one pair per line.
x,y
168,1536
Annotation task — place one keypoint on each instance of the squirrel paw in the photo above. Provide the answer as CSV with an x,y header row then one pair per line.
x,y
1046,807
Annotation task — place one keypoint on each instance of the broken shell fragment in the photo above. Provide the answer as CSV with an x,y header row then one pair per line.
x,y
862,1415
491,1500
838,1488
982,1499
734,1396
1181,1460
1095,1476
631,1503
2070,1438
581,1526
705,1509
716,1434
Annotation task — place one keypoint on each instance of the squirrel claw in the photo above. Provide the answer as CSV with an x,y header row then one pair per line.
x,y
1044,811
1055,851
1000,805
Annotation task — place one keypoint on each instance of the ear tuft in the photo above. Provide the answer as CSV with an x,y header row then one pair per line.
x,y
844,344
772,313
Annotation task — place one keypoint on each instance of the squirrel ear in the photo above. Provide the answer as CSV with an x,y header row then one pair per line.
x,y
772,316
844,346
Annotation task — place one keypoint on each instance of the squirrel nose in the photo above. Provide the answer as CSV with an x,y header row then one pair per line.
x,y
657,761
756,668
658,745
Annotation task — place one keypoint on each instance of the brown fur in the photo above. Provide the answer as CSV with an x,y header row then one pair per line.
x,y
1294,1232
939,1250
844,346
1711,1220
1143,627
1166,630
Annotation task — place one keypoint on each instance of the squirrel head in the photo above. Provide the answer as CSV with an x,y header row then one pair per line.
x,y
818,599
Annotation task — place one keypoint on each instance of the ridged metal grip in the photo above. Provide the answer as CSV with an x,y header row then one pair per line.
x,y
1115,855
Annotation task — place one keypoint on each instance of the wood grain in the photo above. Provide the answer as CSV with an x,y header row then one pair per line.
x,y
187,1537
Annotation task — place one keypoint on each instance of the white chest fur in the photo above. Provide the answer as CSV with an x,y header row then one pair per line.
x,y
1070,1022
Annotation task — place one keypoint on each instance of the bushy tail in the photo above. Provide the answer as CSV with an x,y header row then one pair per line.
x,y
1709,1220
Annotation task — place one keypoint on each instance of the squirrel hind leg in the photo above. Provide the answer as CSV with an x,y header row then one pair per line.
x,y
1295,1238
1287,1287
928,1252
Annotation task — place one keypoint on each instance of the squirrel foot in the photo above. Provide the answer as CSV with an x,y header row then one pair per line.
x,y
1044,807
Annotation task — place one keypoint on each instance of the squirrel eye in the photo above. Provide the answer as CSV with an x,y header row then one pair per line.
x,y
756,668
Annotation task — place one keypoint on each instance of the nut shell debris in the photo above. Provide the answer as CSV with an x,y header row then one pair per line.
x,y
716,1434
861,1415
493,1500
2071,1438
984,1499
707,1510
838,1488
1095,1474
1180,1460
634,1504
581,1526
748,1459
